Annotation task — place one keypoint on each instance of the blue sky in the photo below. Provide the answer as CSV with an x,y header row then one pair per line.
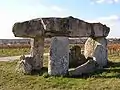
x,y
104,11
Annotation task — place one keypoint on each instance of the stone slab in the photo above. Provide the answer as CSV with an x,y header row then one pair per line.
x,y
37,51
53,26
97,48
85,68
59,56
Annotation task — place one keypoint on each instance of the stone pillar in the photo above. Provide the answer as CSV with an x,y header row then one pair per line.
x,y
97,48
59,56
37,51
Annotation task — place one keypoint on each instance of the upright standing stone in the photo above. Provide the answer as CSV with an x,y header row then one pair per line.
x,y
97,48
59,56
37,50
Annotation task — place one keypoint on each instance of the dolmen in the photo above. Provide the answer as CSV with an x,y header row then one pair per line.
x,y
60,30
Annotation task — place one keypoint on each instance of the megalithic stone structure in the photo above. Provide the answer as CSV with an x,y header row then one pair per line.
x,y
37,51
41,28
34,30
59,56
97,47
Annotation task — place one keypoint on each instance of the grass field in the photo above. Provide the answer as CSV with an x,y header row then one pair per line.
x,y
16,51
107,79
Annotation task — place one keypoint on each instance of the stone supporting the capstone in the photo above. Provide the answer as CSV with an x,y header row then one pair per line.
x,y
37,50
97,48
59,56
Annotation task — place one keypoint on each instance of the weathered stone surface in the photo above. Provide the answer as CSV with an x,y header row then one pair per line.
x,y
25,65
53,26
75,57
85,68
100,30
80,28
37,51
33,28
59,56
97,48
60,29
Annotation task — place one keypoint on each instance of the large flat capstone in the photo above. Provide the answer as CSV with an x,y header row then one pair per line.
x,y
68,26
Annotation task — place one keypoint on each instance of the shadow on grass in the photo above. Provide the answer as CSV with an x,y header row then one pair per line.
x,y
113,64
111,71
39,72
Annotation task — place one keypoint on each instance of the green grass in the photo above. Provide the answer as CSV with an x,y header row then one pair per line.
x,y
16,51
107,79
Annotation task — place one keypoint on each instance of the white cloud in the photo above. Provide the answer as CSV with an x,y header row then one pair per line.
x,y
113,22
112,17
105,1
10,15
57,9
